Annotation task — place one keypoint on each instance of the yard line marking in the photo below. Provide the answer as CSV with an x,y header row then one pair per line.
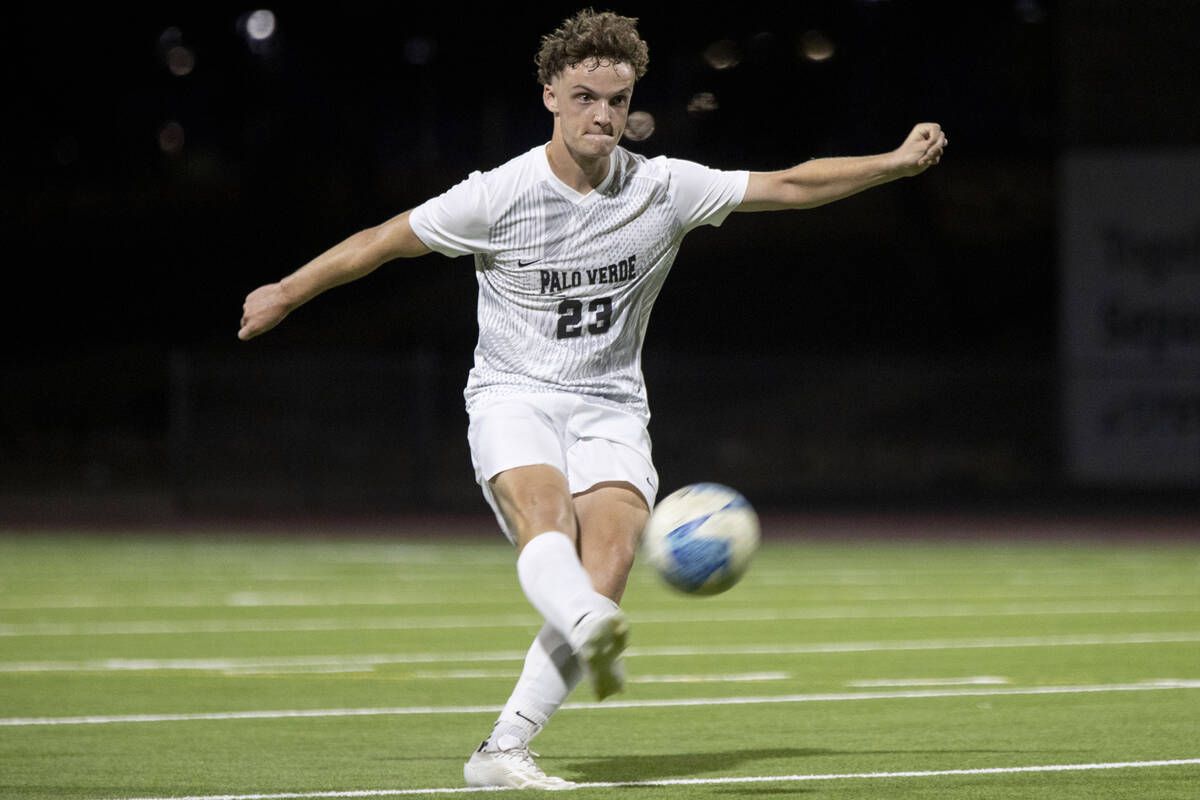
x,y
923,611
295,713
935,773
466,674
811,648
827,697
314,669
925,644
160,627
263,626
283,662
974,680
744,677
301,600
243,599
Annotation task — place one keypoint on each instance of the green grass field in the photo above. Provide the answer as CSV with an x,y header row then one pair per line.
x,y
154,667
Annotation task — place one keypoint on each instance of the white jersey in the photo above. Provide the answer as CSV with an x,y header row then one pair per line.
x,y
567,280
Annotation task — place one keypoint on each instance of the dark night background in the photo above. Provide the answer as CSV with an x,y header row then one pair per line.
x,y
901,348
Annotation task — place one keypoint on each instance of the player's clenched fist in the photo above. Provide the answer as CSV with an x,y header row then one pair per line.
x,y
264,308
923,148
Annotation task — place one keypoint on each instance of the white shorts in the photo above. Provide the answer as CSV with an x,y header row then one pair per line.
x,y
588,442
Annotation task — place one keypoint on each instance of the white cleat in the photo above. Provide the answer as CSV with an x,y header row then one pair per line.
x,y
598,640
513,768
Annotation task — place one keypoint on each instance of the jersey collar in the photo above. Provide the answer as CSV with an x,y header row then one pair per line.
x,y
570,194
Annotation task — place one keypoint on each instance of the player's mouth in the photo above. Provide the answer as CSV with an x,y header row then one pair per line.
x,y
600,139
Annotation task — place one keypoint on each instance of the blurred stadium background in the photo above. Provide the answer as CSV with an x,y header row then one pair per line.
x,y
1016,330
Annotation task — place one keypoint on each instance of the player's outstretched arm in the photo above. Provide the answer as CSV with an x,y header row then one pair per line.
x,y
349,260
823,180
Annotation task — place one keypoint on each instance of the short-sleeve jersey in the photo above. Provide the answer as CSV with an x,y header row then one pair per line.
x,y
567,280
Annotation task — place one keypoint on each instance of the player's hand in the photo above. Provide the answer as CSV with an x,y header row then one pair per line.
x,y
922,149
264,308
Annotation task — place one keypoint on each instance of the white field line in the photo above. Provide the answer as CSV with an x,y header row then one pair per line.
x,y
810,648
233,664
159,627
245,600
316,669
466,674
743,677
512,674
155,628
302,599
937,773
739,677
1148,686
973,680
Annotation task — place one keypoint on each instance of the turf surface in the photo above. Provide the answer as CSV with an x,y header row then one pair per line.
x,y
146,667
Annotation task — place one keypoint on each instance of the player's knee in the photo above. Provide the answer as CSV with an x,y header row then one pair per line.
x,y
547,503
537,511
533,503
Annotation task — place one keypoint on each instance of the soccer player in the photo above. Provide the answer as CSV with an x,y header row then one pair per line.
x,y
572,241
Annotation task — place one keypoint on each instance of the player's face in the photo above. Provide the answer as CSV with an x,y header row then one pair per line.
x,y
590,102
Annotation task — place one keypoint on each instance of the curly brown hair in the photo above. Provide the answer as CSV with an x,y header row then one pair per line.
x,y
603,37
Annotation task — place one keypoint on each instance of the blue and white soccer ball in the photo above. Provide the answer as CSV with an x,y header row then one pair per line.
x,y
701,538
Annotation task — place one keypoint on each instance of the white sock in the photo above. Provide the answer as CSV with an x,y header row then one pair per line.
x,y
556,583
551,671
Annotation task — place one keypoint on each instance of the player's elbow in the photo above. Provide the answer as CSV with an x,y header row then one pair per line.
x,y
797,190
778,191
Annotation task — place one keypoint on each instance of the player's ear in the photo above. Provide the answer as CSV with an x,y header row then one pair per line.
x,y
549,99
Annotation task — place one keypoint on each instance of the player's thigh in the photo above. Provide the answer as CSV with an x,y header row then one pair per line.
x,y
534,499
518,453
612,516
